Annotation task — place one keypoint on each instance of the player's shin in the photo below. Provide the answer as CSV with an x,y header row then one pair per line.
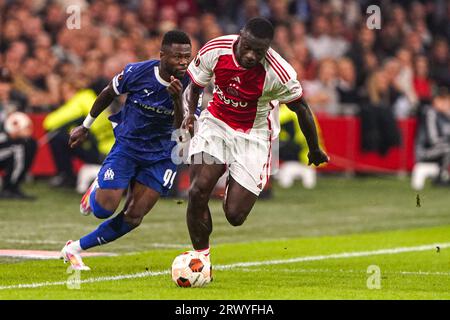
x,y
97,209
108,231
200,228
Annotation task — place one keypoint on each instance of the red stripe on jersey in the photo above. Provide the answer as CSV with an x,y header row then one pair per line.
x,y
217,40
269,162
215,47
205,47
208,45
193,80
276,70
279,67
278,63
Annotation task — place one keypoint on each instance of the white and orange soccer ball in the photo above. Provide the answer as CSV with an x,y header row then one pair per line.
x,y
18,125
191,269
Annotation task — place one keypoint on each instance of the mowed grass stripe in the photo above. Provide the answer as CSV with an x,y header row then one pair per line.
x,y
344,255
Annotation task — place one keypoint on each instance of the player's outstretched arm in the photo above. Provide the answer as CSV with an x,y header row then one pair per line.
x,y
79,134
306,121
190,102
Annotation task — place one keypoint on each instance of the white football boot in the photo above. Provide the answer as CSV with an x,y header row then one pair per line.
x,y
73,257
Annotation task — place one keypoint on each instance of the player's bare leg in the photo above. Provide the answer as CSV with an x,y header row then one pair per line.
x,y
238,202
141,202
109,198
203,180
102,202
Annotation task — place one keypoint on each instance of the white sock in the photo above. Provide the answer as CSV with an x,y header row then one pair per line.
x,y
75,246
204,251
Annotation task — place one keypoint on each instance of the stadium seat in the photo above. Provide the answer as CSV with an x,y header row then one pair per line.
x,y
422,171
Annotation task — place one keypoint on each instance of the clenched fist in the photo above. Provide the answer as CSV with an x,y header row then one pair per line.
x,y
77,136
317,157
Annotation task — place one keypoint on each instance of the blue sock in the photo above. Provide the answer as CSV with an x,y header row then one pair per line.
x,y
108,231
98,210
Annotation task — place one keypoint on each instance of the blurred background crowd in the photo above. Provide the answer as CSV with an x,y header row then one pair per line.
x,y
345,68
328,43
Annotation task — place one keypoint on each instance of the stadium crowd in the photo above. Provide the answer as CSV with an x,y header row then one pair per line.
x,y
345,67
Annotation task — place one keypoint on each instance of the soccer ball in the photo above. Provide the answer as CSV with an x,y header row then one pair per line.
x,y
18,125
191,269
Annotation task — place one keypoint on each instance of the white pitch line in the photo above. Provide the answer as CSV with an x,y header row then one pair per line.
x,y
26,241
336,256
294,270
90,280
344,255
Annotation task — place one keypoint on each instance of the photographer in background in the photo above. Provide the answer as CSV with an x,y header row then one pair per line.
x,y
17,148
433,140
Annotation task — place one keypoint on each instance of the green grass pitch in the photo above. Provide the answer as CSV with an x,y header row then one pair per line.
x,y
302,244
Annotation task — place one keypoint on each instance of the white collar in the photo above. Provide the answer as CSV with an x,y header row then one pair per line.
x,y
158,77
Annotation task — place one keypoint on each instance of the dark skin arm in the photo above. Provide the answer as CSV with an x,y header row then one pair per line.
x,y
191,96
79,134
306,121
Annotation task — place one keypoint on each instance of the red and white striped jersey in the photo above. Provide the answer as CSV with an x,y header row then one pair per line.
x,y
242,97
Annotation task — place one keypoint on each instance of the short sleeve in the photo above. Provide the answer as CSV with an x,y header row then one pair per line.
x,y
290,91
287,87
201,68
122,81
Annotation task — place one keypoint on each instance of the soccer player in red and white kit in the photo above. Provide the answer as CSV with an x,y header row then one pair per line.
x,y
236,129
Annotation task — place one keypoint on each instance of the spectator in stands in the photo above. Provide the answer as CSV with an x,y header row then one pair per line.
x,y
390,38
58,125
42,53
17,149
339,35
405,105
282,41
301,9
321,44
379,130
249,9
421,81
349,96
302,55
278,12
433,142
42,89
322,93
398,86
362,49
439,59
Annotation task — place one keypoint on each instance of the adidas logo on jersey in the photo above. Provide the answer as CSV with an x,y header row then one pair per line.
x,y
236,79
109,175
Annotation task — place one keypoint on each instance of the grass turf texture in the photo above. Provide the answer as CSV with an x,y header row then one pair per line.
x,y
338,216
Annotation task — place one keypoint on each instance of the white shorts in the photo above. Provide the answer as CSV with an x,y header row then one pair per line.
x,y
247,155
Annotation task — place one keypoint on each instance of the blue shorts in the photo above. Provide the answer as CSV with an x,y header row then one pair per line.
x,y
120,167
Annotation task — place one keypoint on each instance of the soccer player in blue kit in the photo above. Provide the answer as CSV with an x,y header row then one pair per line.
x,y
140,160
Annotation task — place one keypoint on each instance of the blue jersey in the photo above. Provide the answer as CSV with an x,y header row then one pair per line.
x,y
144,125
